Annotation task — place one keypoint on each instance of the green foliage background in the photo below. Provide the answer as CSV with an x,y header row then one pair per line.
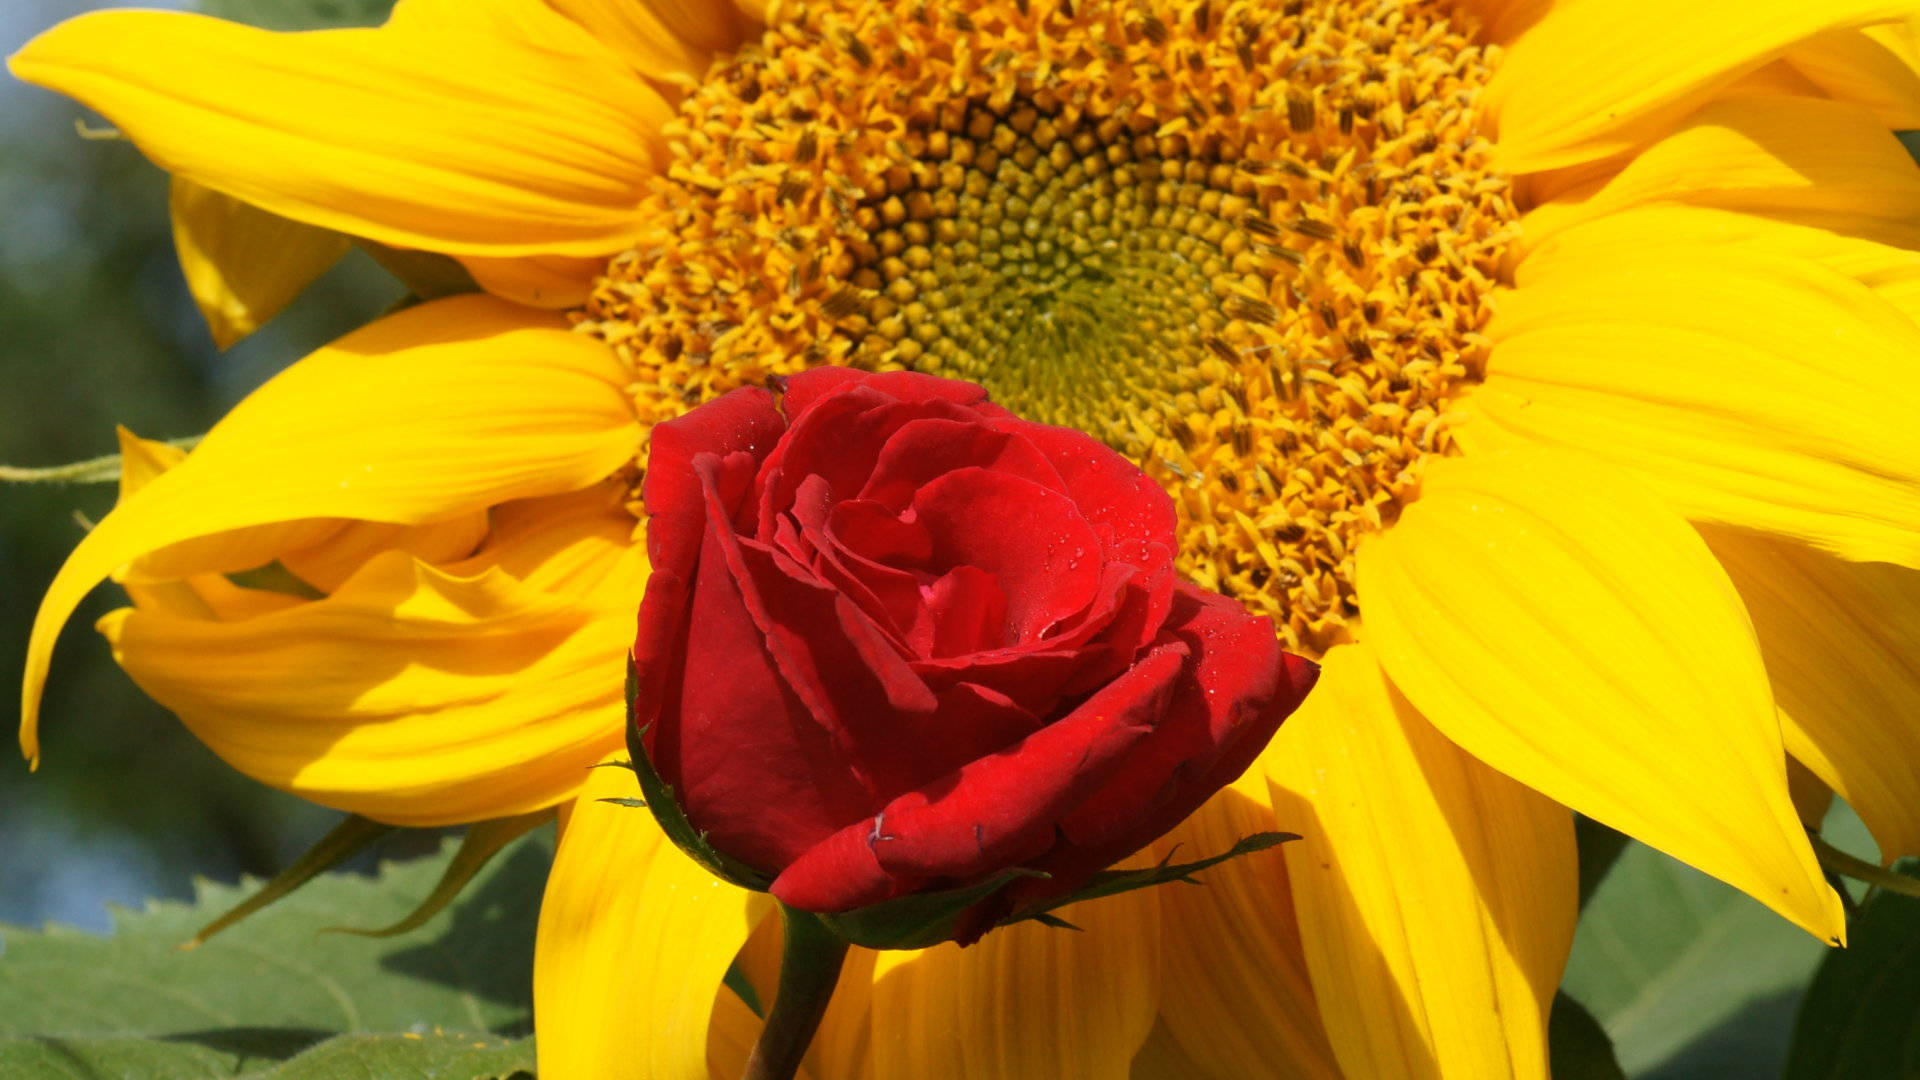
x,y
1673,974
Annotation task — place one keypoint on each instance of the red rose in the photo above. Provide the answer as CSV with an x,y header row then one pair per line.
x,y
899,641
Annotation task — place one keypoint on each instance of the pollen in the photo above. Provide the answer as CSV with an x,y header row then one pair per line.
x,y
1251,245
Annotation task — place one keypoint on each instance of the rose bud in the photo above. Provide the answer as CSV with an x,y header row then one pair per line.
x,y
920,666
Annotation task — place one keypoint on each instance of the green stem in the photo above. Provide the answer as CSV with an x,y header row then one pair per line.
x,y
809,967
1861,870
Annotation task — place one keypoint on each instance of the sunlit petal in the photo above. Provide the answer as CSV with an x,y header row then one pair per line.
x,y
1562,625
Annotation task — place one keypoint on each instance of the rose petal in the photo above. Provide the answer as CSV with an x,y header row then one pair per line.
x,y
753,760
838,441
925,449
962,612
1127,509
992,813
1225,706
744,420
809,388
1030,537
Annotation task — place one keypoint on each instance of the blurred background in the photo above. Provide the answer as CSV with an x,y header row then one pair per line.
x,y
97,329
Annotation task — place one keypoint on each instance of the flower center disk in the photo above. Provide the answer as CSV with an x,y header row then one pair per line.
x,y
1251,246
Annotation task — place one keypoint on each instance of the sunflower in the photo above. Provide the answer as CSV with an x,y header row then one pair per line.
x,y
1522,360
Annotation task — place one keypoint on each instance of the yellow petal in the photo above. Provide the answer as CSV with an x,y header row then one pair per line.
x,y
1027,1000
1503,21
409,695
143,459
543,281
1564,626
1161,1058
458,142
1842,644
1234,995
1641,64
1744,388
1436,897
242,264
437,411
634,939
1872,67
842,1048
1879,253
1793,157
667,40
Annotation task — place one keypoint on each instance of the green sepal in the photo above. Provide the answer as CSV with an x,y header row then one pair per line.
x,y
341,843
623,800
1114,882
658,797
483,840
1054,921
918,920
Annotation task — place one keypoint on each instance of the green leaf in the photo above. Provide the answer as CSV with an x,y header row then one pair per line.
x,y
1599,847
482,841
300,14
1861,1016
917,920
406,1056
341,843
1666,958
274,997
1113,882
1577,1046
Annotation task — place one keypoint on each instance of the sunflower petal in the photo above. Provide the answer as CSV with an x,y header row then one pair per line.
x,y
1436,897
1503,21
457,142
1874,67
1642,64
1787,157
439,410
1842,644
542,281
409,695
1235,999
1027,1000
1882,254
1564,626
1746,389
661,39
242,264
634,939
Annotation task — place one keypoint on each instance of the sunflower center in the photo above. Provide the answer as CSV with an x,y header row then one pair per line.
x,y
1081,272
1251,245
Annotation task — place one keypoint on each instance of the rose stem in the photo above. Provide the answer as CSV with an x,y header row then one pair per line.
x,y
810,960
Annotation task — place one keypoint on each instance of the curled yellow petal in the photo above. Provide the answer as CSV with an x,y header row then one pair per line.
x,y
1436,897
633,942
242,264
1564,626
410,695
438,411
457,141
